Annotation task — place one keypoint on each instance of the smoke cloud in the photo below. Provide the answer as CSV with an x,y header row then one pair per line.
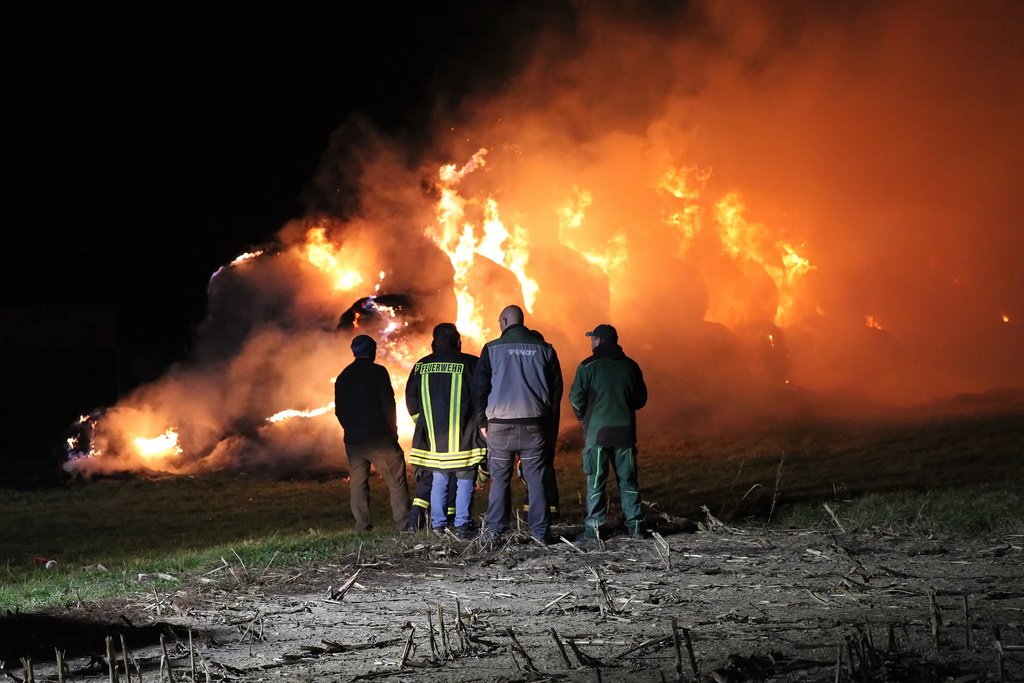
x,y
794,209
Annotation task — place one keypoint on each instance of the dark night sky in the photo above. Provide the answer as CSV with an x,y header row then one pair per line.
x,y
149,146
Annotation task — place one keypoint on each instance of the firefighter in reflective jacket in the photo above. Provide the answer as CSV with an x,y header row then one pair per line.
x,y
446,440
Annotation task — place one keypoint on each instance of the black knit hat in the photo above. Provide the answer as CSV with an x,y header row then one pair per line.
x,y
363,345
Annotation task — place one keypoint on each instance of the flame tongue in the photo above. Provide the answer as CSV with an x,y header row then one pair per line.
x,y
332,260
462,239
163,446
289,413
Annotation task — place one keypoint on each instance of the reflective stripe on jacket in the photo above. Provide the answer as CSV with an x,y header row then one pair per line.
x,y
440,399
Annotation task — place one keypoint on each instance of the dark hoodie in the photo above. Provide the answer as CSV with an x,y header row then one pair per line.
x,y
364,402
608,390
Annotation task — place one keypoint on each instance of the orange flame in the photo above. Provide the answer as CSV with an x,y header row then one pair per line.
x,y
465,227
687,184
331,260
870,321
514,255
455,236
748,242
571,217
289,413
163,446
247,256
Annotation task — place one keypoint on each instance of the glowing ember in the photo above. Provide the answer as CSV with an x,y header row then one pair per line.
x,y
374,310
869,321
162,446
1005,317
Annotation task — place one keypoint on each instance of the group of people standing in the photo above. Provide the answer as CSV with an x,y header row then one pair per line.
x,y
477,415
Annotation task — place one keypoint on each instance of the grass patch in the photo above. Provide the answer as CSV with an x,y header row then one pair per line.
x,y
181,526
111,520
985,510
32,588
955,476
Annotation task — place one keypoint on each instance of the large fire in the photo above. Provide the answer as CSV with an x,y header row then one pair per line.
x,y
718,195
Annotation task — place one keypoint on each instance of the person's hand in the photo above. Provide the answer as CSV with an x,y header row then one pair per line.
x,y
482,474
483,430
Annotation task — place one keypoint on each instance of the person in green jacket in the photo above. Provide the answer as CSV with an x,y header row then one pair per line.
x,y
606,393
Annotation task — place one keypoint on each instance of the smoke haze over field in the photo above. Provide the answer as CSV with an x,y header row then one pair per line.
x,y
780,207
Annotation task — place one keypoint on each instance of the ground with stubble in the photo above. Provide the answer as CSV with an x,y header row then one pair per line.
x,y
745,604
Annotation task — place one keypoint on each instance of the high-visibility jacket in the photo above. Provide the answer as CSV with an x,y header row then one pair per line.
x,y
440,399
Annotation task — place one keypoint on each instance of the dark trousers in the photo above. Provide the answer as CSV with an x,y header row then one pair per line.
x,y
419,513
598,461
504,442
550,482
420,498
389,461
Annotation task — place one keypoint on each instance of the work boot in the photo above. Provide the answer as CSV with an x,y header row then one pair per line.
x,y
547,540
636,531
465,532
587,539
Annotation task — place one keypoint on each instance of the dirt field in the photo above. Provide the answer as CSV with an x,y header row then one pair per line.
x,y
747,605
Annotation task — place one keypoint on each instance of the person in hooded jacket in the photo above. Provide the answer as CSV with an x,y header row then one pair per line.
x,y
364,404
447,439
606,393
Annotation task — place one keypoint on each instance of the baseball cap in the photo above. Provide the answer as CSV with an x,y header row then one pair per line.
x,y
363,345
606,333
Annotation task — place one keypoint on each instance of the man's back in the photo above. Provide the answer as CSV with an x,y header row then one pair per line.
x,y
439,393
519,378
608,390
364,402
